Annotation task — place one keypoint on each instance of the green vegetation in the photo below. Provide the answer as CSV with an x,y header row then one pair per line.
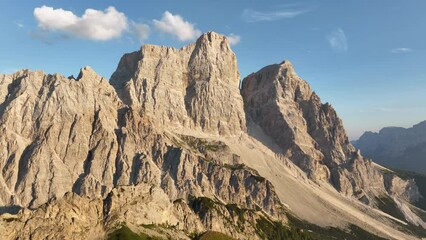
x,y
177,142
316,232
296,230
312,231
259,178
211,235
388,205
235,166
201,145
276,231
124,233
421,214
234,209
204,203
149,226
179,200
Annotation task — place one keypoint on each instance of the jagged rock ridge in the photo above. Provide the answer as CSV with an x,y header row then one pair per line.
x,y
120,148
183,88
307,131
396,147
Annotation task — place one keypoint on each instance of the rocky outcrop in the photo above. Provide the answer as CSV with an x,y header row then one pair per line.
x,y
71,217
185,88
307,131
64,135
401,148
57,135
165,145
406,190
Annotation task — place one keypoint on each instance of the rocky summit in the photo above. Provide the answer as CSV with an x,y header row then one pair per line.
x,y
170,147
192,88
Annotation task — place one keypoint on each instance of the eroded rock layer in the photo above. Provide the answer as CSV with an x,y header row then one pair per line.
x,y
165,144
310,133
195,87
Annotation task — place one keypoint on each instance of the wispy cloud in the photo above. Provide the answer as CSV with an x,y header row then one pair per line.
x,y
176,26
19,25
48,37
141,31
233,39
250,15
94,24
337,40
401,50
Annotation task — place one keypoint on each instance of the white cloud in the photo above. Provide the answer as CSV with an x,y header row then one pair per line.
x,y
175,25
233,39
250,15
401,50
337,40
93,24
141,31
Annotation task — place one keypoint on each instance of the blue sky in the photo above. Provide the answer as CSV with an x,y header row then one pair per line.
x,y
367,58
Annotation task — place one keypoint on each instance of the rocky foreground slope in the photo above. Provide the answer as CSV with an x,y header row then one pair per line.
x,y
171,148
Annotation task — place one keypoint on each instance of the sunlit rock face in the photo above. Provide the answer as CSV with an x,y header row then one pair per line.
x,y
194,87
308,132
168,142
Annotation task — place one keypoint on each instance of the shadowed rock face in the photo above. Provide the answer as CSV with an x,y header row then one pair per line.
x,y
86,155
185,88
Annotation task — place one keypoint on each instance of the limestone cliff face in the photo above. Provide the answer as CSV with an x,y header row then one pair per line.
x,y
185,88
165,144
70,217
308,132
62,135
57,135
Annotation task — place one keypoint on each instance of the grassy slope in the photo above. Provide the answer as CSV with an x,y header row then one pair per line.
x,y
316,232
211,235
388,205
124,233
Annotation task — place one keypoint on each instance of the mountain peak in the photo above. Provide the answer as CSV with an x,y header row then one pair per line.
x,y
420,125
211,37
213,41
180,154
286,63
196,80
87,73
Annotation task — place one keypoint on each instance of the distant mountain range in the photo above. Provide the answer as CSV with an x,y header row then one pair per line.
x,y
396,147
